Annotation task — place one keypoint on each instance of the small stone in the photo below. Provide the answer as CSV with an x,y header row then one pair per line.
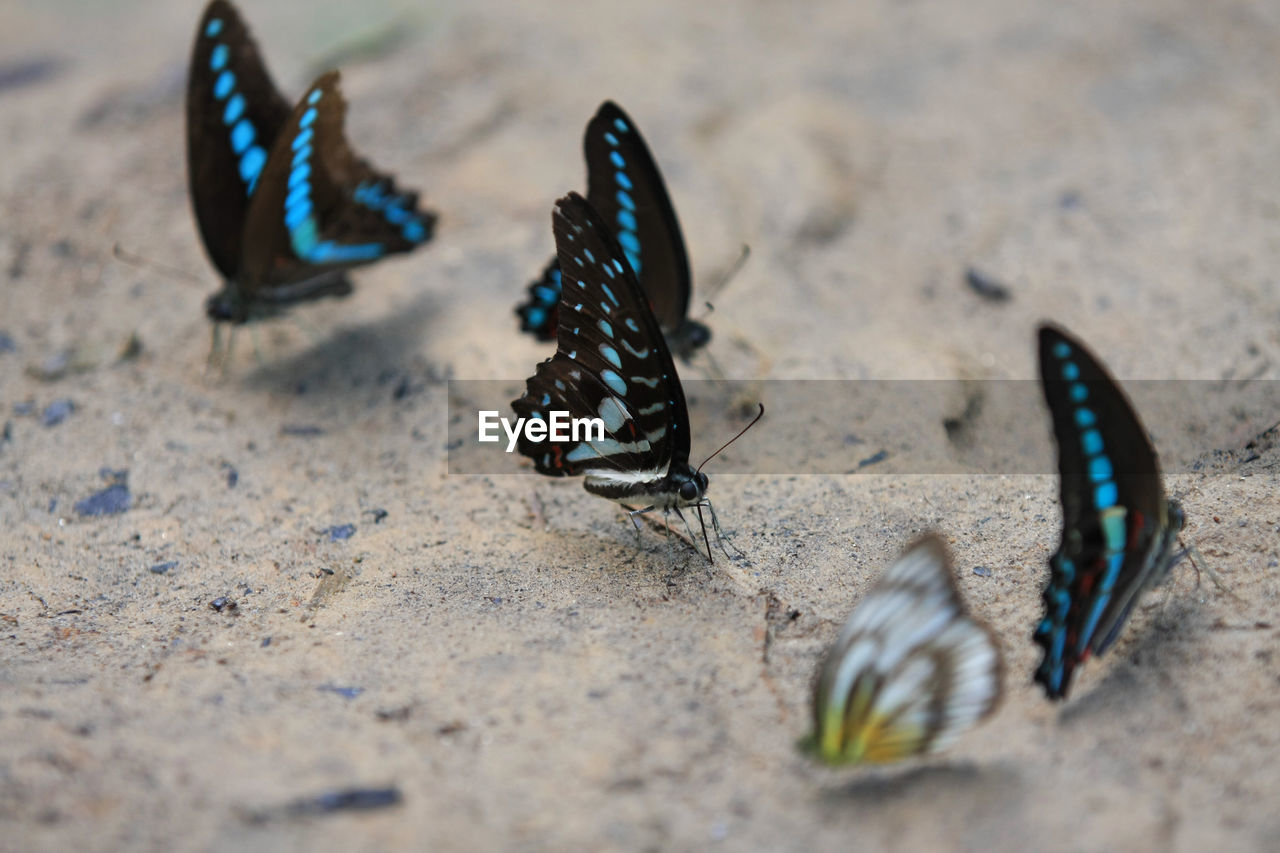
x,y
57,412
339,532
112,500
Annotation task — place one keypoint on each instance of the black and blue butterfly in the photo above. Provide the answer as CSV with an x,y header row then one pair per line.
x,y
612,363
1118,528
283,205
625,187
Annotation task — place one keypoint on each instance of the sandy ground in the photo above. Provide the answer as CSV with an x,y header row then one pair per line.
x,y
496,648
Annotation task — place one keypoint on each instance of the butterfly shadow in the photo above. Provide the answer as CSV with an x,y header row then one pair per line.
x,y
1144,672
352,356
879,788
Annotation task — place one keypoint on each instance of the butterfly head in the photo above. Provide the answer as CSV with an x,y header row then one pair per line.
x,y
690,337
226,306
691,486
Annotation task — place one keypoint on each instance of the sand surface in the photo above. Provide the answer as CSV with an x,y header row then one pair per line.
x,y
496,648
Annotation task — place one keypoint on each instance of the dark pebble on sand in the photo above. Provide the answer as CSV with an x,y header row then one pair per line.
x,y
339,532
57,412
982,571
304,430
874,459
222,604
112,500
163,568
986,286
347,800
378,514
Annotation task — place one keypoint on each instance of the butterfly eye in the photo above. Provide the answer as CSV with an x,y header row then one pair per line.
x,y
698,335
689,490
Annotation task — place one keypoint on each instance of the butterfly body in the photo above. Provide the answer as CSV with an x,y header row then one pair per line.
x,y
1119,530
910,670
625,187
611,363
283,206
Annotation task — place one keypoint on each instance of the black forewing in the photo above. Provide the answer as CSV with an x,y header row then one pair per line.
x,y
357,214
620,169
611,361
1084,554
219,194
1137,472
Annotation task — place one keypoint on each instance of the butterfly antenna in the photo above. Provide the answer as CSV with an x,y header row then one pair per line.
x,y
758,416
124,255
729,275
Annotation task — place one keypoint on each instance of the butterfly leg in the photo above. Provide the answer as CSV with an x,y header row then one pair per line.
x,y
1193,555
634,514
257,348
214,345
721,539
219,355
689,530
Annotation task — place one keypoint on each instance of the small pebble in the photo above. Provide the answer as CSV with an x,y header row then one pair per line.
x,y
304,430
874,458
986,286
163,568
378,514
112,500
347,800
339,532
982,571
222,603
57,412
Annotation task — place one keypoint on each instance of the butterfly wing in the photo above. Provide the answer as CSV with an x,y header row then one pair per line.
x,y
1118,528
234,114
626,188
910,671
319,209
611,363
539,315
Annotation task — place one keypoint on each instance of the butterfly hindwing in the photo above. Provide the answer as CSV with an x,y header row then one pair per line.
x,y
540,315
320,209
611,363
910,670
234,114
1118,527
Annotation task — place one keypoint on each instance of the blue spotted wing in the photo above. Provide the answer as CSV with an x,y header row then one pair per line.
x,y
626,189
284,206
234,113
1118,527
611,363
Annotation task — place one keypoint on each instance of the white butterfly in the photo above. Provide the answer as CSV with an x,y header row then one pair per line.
x,y
910,671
